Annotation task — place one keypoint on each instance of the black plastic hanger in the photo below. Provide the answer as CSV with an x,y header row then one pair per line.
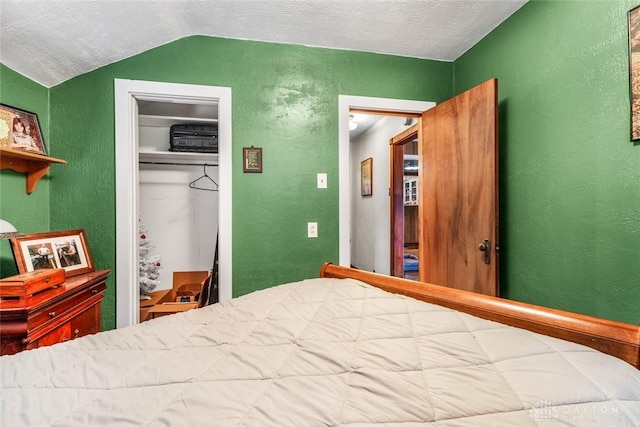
x,y
207,179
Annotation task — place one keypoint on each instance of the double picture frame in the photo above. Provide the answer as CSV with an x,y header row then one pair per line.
x,y
67,250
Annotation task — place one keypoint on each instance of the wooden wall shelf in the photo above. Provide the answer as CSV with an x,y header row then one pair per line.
x,y
34,165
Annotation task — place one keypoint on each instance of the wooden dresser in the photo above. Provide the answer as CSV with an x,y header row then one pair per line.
x,y
54,315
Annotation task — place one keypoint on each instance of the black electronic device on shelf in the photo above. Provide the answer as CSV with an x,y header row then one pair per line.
x,y
198,138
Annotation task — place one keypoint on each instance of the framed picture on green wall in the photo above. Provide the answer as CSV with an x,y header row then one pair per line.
x,y
634,70
252,159
20,130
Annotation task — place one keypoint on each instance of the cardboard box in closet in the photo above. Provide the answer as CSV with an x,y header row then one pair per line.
x,y
186,286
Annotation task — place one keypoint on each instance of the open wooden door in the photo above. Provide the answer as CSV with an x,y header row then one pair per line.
x,y
459,191
397,220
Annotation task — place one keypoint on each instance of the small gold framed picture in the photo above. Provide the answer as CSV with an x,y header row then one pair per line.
x,y
252,159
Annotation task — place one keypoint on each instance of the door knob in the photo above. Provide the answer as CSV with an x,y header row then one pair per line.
x,y
485,248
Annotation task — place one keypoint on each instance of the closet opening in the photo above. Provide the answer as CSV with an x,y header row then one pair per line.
x,y
178,188
162,188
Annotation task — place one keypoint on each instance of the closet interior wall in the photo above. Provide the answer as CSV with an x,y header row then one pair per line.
x,y
181,222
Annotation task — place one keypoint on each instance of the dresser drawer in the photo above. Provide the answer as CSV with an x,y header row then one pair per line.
x,y
41,321
85,323
60,334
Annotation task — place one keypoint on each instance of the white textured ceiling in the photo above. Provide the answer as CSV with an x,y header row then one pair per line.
x,y
54,40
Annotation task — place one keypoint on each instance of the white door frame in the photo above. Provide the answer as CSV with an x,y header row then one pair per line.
x,y
346,102
127,93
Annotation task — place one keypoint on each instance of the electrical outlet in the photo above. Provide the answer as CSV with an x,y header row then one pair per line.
x,y
312,229
322,180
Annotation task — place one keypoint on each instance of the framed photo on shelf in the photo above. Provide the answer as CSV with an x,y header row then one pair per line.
x,y
366,177
20,130
56,249
252,159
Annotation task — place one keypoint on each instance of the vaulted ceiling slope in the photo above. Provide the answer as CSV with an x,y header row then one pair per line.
x,y
52,41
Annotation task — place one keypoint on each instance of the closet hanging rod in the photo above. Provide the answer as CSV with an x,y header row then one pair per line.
x,y
177,163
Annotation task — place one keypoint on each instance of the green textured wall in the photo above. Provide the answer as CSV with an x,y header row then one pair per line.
x,y
28,213
570,177
284,99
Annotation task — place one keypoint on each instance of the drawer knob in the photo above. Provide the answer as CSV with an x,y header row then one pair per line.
x,y
52,314
95,291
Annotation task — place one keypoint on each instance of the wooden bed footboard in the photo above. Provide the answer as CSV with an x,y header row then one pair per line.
x,y
618,339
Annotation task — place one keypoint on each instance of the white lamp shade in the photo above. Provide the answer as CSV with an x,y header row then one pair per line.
x,y
7,230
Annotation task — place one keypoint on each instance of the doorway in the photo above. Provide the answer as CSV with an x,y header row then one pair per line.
x,y
405,201
346,193
458,236
127,95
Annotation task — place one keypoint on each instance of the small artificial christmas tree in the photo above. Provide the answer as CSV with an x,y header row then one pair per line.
x,y
149,264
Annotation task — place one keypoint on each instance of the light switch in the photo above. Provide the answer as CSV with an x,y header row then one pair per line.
x,y
312,229
322,180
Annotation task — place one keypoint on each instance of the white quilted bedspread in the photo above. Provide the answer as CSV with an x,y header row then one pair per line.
x,y
321,352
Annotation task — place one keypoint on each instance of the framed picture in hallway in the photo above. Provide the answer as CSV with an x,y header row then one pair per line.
x,y
366,177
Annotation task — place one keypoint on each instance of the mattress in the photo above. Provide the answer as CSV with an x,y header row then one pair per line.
x,y
320,352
